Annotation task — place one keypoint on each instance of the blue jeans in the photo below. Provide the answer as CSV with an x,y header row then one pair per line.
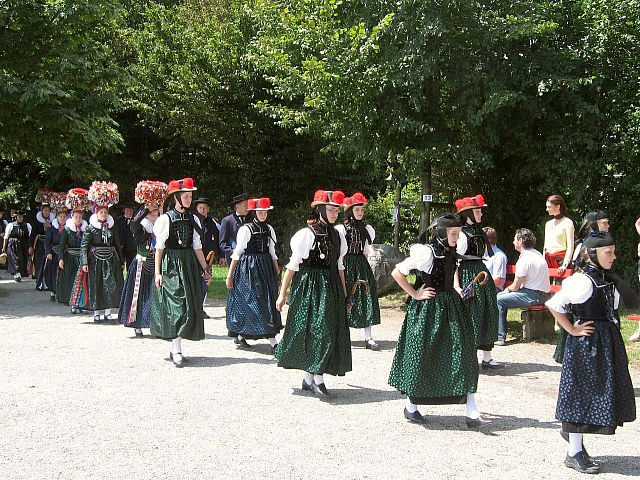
x,y
523,298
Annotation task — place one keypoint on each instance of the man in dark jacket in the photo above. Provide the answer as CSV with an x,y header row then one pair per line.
x,y
210,238
127,240
230,225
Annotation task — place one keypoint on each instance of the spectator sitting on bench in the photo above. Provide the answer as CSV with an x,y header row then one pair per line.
x,y
530,285
497,264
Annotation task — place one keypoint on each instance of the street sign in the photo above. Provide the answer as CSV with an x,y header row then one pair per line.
x,y
427,198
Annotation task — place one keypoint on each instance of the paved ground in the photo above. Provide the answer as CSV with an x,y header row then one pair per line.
x,y
80,401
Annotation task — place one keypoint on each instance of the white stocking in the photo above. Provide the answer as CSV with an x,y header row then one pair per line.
x,y
367,334
575,444
411,407
471,409
318,379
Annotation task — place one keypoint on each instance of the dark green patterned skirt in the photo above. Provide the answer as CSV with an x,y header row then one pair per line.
x,y
435,360
366,310
176,307
483,306
316,337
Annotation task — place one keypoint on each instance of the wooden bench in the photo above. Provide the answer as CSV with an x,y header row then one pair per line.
x,y
537,321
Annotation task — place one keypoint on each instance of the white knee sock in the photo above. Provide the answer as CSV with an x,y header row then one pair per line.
x,y
318,379
411,407
97,313
176,346
308,378
17,275
272,342
107,311
367,334
471,409
575,444
486,355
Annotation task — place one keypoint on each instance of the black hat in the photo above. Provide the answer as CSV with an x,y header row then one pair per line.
x,y
19,212
200,200
239,198
596,240
591,220
443,222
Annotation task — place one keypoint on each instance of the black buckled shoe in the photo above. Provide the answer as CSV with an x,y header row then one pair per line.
x,y
581,463
108,318
241,342
473,423
371,345
320,389
178,362
306,387
97,319
139,333
565,436
491,365
414,417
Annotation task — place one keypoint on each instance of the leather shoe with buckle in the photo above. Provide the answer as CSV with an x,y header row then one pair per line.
x,y
491,365
414,417
565,436
306,387
371,344
97,319
581,463
476,422
319,389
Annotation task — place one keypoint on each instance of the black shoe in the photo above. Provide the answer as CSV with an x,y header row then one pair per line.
x,y
491,366
371,345
177,363
139,333
565,436
476,422
241,342
108,318
74,311
319,389
17,279
273,349
306,387
581,463
205,315
96,318
414,417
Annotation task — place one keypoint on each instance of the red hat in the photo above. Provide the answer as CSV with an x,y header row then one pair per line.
x,y
183,185
355,199
468,203
328,197
260,204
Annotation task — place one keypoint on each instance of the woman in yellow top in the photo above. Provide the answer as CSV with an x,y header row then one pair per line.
x,y
558,235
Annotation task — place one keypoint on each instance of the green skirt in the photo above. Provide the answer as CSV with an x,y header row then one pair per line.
x,y
483,306
435,360
366,310
176,307
66,277
316,336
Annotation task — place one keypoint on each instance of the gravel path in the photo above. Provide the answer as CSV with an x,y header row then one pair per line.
x,y
85,401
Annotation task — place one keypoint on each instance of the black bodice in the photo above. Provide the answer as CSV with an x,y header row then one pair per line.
x,y
601,304
442,272
355,240
326,248
180,230
19,231
476,245
260,238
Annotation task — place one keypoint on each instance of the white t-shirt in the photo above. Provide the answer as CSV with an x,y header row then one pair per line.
x,y
533,269
497,266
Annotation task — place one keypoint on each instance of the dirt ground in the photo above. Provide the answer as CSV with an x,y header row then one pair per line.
x,y
85,401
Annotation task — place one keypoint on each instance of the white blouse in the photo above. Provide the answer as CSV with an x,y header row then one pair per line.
x,y
242,240
302,243
161,231
420,258
372,234
575,290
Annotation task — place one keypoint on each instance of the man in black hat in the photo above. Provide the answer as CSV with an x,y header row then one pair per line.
x,y
210,238
230,225
123,231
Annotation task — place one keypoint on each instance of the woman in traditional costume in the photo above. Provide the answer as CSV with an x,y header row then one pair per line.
x,y
102,259
361,284
16,246
40,228
135,304
435,361
316,337
52,251
253,279
70,262
176,305
596,394
482,305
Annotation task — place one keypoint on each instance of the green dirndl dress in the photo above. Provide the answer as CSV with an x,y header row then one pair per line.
x,y
316,336
435,361
70,253
176,308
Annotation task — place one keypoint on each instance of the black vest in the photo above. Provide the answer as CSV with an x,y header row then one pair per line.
x,y
475,240
324,252
601,304
180,230
260,238
19,231
444,267
355,242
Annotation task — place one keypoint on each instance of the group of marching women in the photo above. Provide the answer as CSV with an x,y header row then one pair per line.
x,y
329,287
